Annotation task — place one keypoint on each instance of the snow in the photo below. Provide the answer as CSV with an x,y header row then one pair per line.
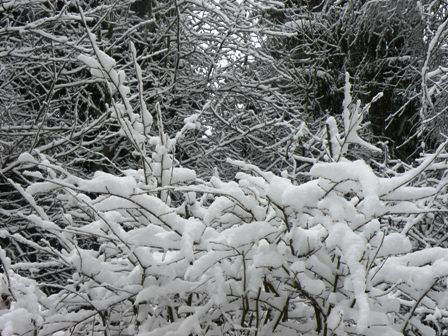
x,y
352,116
18,321
25,313
417,269
44,224
298,24
107,183
41,187
341,238
358,171
352,248
267,255
88,264
107,62
252,237
154,292
26,157
182,175
244,234
334,143
307,240
393,244
90,61
296,198
206,262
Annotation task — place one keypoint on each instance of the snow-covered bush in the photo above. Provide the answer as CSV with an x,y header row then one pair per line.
x,y
157,251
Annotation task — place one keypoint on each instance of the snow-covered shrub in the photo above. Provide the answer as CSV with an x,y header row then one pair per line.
x,y
24,315
156,251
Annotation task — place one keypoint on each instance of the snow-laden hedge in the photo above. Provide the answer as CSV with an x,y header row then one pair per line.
x,y
157,251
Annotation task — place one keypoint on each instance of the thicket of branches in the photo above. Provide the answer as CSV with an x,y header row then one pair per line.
x,y
205,168
385,46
